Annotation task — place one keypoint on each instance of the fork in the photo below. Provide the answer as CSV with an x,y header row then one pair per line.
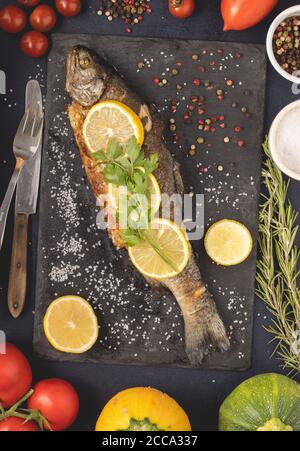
x,y
25,145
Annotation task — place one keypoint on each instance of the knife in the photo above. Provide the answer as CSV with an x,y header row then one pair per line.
x,y
25,205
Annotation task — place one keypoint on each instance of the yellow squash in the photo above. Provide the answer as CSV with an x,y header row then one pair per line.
x,y
142,409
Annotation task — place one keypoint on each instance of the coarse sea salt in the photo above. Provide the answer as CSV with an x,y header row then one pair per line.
x,y
288,140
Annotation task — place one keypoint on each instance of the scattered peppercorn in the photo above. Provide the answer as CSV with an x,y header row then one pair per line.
x,y
226,139
241,143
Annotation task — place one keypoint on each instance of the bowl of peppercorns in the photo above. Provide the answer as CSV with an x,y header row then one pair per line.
x,y
283,44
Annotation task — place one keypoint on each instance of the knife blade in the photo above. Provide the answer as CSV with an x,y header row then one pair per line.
x,y
25,205
28,184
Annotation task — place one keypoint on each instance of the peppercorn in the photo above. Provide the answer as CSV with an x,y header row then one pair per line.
x,y
286,44
244,109
200,140
229,82
197,82
195,57
241,143
226,139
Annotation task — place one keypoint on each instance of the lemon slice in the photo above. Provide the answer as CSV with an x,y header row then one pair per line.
x,y
115,192
171,256
111,120
228,242
71,325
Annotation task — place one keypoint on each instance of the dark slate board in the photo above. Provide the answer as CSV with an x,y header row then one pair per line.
x,y
137,325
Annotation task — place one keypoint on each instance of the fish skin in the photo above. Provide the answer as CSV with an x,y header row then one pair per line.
x,y
90,80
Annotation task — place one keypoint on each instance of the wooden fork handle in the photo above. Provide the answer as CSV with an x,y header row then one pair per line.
x,y
18,269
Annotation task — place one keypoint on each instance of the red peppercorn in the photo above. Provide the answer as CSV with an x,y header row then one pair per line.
x,y
229,82
238,56
201,111
222,125
220,97
194,99
237,129
241,143
200,121
156,81
206,128
201,69
213,130
197,82
191,107
221,118
128,30
186,116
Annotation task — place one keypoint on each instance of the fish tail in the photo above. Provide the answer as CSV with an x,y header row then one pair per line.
x,y
204,328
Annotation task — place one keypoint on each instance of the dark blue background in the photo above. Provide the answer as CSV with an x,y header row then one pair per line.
x,y
199,392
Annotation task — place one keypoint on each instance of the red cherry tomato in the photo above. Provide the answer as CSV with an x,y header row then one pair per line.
x,y
181,8
29,2
15,376
43,18
242,14
57,401
68,8
12,19
34,44
18,424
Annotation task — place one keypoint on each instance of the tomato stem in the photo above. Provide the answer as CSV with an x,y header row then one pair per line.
x,y
26,414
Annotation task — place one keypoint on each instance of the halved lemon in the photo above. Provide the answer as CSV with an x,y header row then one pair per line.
x,y
115,192
111,120
164,252
71,325
228,242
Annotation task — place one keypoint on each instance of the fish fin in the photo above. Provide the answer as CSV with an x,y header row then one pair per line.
x,y
145,116
204,330
178,178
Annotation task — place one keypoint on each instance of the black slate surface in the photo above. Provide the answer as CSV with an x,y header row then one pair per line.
x,y
138,325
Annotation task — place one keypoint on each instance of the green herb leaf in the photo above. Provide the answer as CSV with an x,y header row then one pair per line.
x,y
132,149
114,174
114,150
277,271
100,156
130,237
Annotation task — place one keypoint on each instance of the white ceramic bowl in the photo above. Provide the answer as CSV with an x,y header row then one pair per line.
x,y
273,141
293,11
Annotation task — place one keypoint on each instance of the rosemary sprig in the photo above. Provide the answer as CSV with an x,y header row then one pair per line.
x,y
277,269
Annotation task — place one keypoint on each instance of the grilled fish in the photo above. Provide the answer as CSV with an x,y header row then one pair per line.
x,y
90,80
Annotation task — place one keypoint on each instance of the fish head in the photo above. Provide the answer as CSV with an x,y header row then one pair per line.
x,y
86,76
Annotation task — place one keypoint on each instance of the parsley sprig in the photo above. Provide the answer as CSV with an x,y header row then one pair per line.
x,y
126,165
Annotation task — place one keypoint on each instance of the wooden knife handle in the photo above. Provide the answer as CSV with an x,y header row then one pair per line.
x,y
18,268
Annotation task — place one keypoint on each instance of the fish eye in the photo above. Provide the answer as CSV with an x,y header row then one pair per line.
x,y
84,62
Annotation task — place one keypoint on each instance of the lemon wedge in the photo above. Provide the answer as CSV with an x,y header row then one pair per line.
x,y
71,325
228,242
111,120
163,253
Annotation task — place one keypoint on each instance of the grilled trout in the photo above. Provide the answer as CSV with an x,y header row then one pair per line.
x,y
90,80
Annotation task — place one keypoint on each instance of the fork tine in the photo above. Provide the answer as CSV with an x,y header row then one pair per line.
x,y
29,124
23,123
38,125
